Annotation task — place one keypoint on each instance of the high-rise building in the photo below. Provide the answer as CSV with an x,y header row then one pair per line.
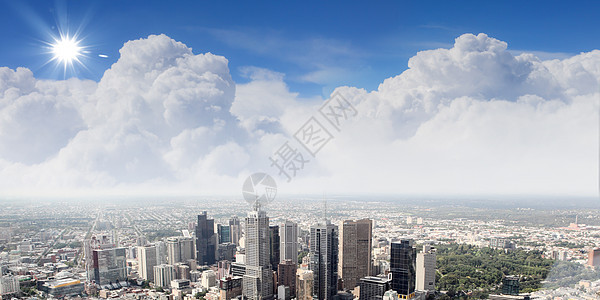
x,y
274,242
288,235
235,230
304,285
209,279
286,275
226,251
205,240
161,253
355,251
109,265
402,267
373,287
230,287
146,261
224,234
258,279
9,285
594,257
324,259
163,275
426,269
179,249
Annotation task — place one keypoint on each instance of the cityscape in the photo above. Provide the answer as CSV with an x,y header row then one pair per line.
x,y
300,150
150,249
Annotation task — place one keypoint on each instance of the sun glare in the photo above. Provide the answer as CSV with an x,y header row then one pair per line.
x,y
66,50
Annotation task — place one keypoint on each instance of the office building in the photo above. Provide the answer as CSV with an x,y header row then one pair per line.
x,y
179,249
426,263
146,261
288,236
9,285
235,230
373,287
161,252
324,259
224,234
402,267
304,285
355,251
510,285
109,265
238,269
286,275
209,279
206,240
258,280
274,242
230,287
66,287
594,257
163,275
226,251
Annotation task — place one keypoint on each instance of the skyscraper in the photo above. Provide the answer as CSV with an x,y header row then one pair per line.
x,y
355,251
274,241
224,234
235,230
147,261
109,265
288,235
163,274
205,240
286,274
179,249
324,259
594,257
426,269
402,267
258,279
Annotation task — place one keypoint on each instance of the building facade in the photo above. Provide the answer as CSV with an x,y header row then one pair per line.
x,y
163,275
373,287
206,240
324,259
286,275
146,261
109,265
258,278
288,236
402,268
426,264
355,251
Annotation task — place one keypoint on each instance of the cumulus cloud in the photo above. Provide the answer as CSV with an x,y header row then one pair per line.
x,y
472,119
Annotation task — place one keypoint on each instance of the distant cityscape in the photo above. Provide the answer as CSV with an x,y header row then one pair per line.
x,y
293,249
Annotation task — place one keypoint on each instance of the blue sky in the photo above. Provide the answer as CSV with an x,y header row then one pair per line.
x,y
318,45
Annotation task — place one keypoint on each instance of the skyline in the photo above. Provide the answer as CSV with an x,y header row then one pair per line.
x,y
466,115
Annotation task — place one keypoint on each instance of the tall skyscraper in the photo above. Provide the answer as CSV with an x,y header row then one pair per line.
x,y
258,279
205,240
109,265
274,242
146,262
286,275
402,267
355,251
426,269
324,259
288,235
235,230
163,274
161,253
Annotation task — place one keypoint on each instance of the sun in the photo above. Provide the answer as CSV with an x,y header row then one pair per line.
x,y
66,50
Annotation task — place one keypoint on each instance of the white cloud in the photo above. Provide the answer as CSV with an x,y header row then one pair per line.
x,y
472,119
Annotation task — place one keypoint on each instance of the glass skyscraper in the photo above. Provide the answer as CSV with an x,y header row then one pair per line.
x,y
403,268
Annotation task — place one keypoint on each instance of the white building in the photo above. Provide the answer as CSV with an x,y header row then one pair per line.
x,y
426,269
209,279
9,285
163,274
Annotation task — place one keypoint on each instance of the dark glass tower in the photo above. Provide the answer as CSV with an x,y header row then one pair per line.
x,y
403,268
274,242
324,259
205,240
